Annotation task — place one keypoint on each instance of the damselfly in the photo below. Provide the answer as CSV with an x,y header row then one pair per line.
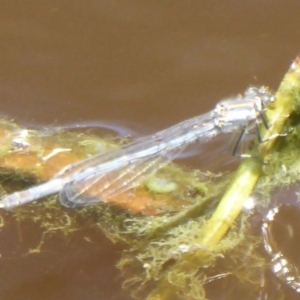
x,y
115,172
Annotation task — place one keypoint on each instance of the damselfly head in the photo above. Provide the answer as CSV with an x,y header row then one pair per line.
x,y
262,94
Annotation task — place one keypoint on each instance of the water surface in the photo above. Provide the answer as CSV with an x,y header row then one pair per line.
x,y
149,63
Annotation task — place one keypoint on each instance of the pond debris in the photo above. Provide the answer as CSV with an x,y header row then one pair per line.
x,y
184,229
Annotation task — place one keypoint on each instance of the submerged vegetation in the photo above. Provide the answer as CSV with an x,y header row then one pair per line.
x,y
184,229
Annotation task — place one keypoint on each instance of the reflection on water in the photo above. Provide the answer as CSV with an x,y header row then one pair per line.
x,y
145,63
115,128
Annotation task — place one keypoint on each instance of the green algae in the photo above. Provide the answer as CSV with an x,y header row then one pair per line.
x,y
160,185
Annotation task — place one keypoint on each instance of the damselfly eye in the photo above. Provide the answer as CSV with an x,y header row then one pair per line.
x,y
261,93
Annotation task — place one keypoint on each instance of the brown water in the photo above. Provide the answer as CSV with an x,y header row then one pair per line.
x,y
151,63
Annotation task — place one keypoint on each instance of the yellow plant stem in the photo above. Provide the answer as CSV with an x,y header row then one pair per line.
x,y
250,169
232,202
